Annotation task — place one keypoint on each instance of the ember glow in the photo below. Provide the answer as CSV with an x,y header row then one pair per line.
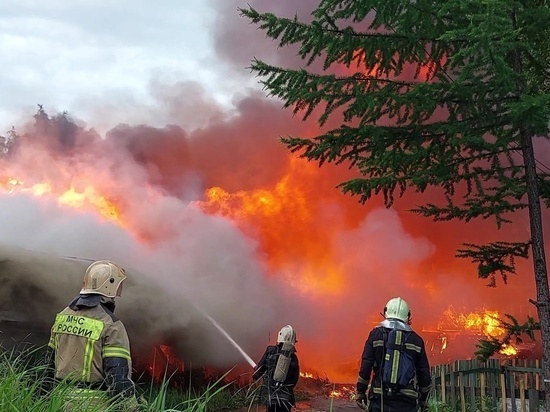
x,y
343,391
164,362
443,343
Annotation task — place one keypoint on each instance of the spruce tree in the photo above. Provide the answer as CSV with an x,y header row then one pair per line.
x,y
437,94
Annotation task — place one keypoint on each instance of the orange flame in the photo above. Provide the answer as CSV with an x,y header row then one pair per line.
x,y
89,198
443,343
509,350
164,362
281,218
484,323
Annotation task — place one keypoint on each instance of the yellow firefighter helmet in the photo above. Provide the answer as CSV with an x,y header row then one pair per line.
x,y
287,334
397,308
103,277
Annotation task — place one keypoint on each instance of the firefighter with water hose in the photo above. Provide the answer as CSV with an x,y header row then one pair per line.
x,y
89,346
394,365
280,370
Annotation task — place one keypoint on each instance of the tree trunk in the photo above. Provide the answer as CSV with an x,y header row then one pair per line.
x,y
539,259
537,241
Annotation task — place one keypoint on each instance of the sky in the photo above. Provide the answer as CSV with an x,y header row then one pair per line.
x,y
175,130
112,61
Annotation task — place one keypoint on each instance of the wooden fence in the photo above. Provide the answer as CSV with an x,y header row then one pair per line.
x,y
514,385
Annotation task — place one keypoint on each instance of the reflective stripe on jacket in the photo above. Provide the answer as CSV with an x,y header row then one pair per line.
x,y
372,359
83,339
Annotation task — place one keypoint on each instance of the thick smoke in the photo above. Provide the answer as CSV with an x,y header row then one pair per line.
x,y
166,284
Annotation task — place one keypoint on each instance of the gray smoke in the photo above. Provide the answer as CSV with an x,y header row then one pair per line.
x,y
209,265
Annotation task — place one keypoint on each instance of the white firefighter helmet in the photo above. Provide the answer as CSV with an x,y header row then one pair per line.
x,y
287,335
397,308
103,277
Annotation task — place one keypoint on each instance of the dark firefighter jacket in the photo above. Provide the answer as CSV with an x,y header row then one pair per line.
x,y
371,361
89,345
270,392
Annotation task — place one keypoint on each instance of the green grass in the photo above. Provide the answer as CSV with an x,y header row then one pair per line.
x,y
21,379
22,376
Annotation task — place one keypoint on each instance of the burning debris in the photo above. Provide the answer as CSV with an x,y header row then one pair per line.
x,y
311,385
343,392
485,322
457,328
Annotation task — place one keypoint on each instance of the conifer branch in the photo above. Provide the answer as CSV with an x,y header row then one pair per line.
x,y
495,258
513,331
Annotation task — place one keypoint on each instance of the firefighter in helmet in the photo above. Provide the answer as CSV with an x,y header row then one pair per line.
x,y
280,370
89,346
394,364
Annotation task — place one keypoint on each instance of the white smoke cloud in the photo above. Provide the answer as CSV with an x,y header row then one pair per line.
x,y
207,262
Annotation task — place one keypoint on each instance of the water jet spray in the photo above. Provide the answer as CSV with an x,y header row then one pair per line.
x,y
229,338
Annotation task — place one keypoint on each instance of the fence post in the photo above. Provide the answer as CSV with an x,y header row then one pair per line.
x,y
474,364
493,381
537,376
482,382
453,384
533,400
512,384
528,376
461,387
443,384
522,395
503,391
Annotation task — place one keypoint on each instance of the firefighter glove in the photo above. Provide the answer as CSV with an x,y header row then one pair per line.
x,y
361,400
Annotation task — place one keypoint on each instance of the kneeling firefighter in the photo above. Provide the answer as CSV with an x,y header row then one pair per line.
x,y
394,365
89,346
280,370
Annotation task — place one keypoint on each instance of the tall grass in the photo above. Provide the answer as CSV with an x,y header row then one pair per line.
x,y
22,379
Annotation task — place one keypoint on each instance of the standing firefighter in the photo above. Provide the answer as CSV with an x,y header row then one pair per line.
x,y
396,358
280,371
89,346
